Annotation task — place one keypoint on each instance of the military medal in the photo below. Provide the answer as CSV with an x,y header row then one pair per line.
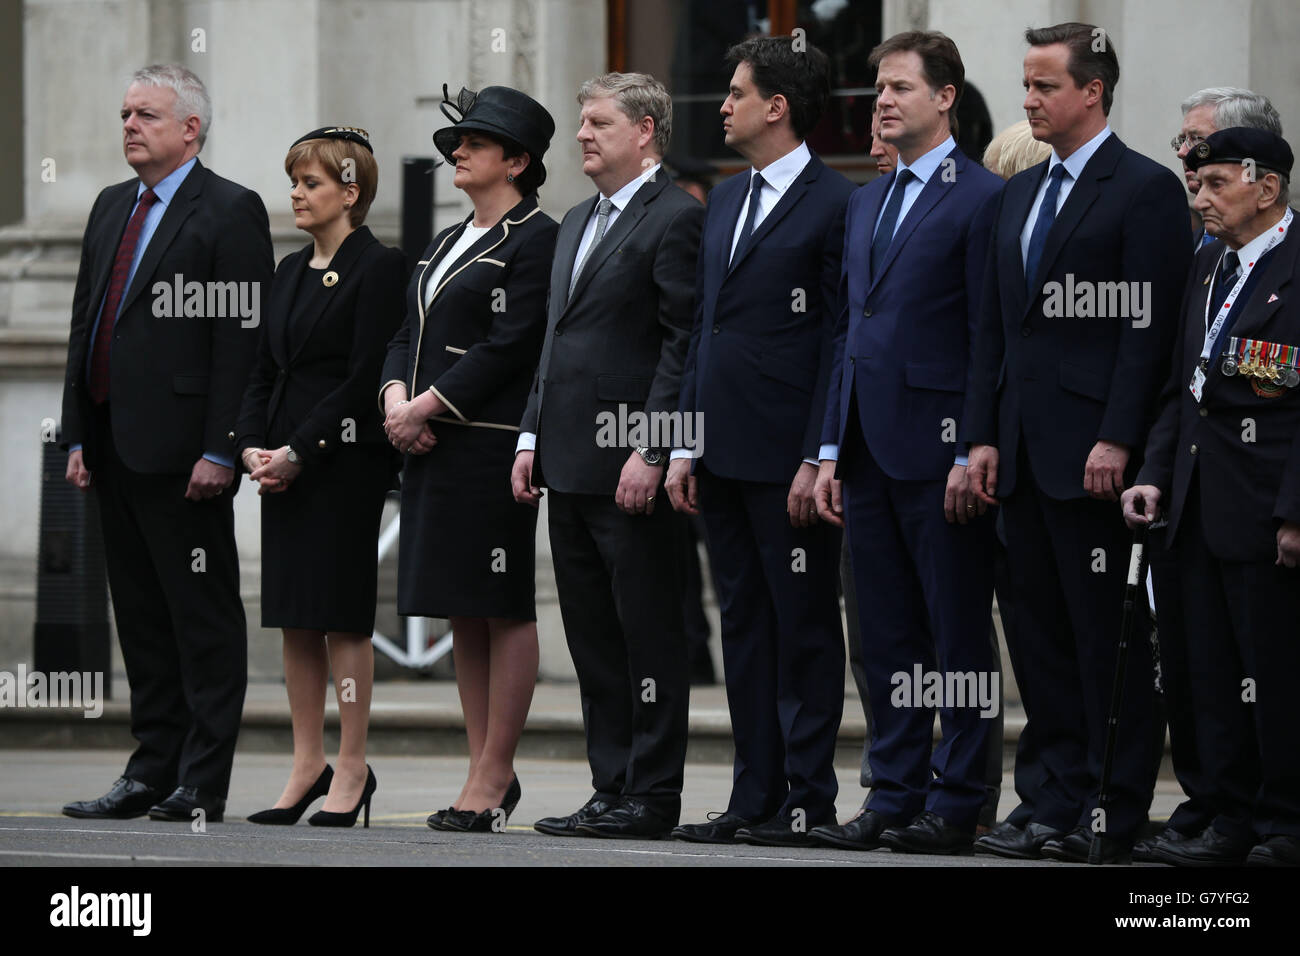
x,y
1271,366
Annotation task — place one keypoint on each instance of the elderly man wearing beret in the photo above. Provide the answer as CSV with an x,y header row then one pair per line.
x,y
1223,462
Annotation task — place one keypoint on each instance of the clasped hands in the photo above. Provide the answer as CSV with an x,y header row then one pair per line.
x,y
272,470
406,423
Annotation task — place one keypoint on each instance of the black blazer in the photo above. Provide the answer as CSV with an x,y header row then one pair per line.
x,y
312,384
1068,382
477,345
176,382
1248,487
619,340
760,357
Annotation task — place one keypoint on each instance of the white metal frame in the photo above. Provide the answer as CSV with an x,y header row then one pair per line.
x,y
418,653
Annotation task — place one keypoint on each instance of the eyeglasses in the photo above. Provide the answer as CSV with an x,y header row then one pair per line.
x,y
1190,141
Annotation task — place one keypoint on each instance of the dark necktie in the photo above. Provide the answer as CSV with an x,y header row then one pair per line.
x,y
1224,280
99,361
1043,225
889,221
747,230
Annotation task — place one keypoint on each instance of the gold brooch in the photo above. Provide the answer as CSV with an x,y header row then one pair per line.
x,y
330,279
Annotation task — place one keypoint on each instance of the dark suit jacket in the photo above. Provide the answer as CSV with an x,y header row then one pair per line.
x,y
760,354
477,345
176,382
619,340
903,338
1247,487
1066,383
314,375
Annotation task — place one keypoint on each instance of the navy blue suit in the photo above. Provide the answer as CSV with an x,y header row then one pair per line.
x,y
1045,387
756,371
901,353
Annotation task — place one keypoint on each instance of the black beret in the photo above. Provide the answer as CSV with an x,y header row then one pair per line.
x,y
350,133
1239,144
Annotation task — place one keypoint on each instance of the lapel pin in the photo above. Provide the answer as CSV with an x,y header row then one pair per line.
x,y
330,279
1273,297
1207,280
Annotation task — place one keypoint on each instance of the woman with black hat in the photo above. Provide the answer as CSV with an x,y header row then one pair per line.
x,y
310,436
454,388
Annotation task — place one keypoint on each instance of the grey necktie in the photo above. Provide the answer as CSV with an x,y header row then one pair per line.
x,y
603,209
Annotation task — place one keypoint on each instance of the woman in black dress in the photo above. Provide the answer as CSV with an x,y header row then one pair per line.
x,y
454,388
310,437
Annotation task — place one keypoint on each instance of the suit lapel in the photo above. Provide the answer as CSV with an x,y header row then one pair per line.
x,y
614,236
115,220
934,190
566,247
807,176
183,203
320,296
1272,284
1020,199
730,216
283,291
1082,195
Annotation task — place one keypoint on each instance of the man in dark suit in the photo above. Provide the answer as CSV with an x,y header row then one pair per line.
x,y
618,322
1088,254
1223,463
150,400
1204,112
921,543
765,302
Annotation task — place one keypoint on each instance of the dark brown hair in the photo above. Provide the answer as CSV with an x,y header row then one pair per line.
x,y
1092,55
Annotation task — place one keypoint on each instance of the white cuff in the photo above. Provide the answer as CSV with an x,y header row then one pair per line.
x,y
960,460
680,453
527,442
829,453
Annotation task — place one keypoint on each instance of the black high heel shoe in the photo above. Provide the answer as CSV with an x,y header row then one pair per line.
x,y
287,816
437,820
467,821
327,818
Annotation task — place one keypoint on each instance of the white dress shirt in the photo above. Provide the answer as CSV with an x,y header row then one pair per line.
x,y
1073,167
777,178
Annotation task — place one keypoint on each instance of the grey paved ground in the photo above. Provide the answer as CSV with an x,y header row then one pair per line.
x,y
35,784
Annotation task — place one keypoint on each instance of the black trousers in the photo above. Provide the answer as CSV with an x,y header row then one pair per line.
x,y
620,598
782,648
1069,561
1243,653
174,575
1195,813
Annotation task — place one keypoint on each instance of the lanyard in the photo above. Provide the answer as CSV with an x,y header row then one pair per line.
x,y
1212,331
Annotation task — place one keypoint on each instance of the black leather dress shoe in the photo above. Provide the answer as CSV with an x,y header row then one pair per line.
x,y
860,833
1076,847
1211,848
721,828
126,799
928,833
774,832
567,826
1279,850
1017,843
1144,851
629,820
180,806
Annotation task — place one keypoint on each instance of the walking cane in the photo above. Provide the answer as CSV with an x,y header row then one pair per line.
x,y
1136,584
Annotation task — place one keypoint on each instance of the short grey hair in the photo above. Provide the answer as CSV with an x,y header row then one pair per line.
x,y
191,94
637,95
1234,107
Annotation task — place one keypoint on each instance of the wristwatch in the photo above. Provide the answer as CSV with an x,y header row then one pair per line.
x,y
648,456
292,455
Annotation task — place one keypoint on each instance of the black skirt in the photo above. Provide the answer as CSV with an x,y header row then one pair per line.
x,y
319,543
467,547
